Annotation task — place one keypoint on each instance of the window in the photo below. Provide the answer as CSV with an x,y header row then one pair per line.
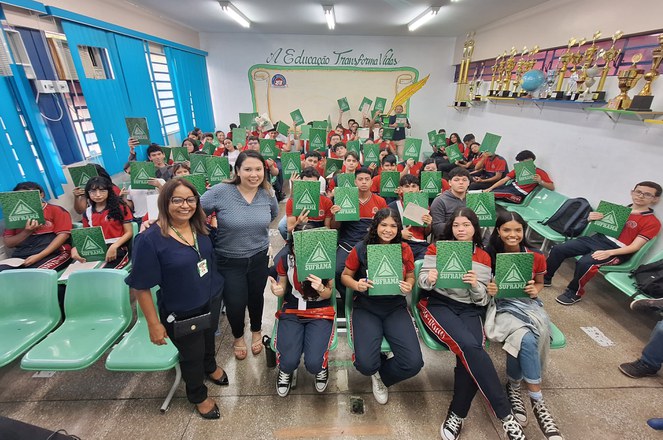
x,y
80,117
162,88
96,63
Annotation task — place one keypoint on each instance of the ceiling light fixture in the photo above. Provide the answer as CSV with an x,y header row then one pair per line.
x,y
235,14
330,16
423,18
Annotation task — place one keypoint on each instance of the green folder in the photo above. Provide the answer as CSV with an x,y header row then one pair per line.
x,y
198,181
322,125
418,198
141,172
345,180
353,146
239,136
268,148
441,140
385,268
431,183
614,218
454,259
348,199
483,205
432,138
315,252
365,105
218,169
525,172
388,133
343,104
208,148
305,196
90,243
20,206
380,104
385,120
179,154
412,149
371,154
401,119
318,139
297,117
167,153
512,273
453,153
198,164
247,120
389,181
329,123
306,132
80,175
282,128
490,143
137,128
333,166
291,163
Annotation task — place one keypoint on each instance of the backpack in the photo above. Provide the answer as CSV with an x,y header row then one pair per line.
x,y
570,219
649,279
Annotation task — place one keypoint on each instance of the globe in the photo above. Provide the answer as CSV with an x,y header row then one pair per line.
x,y
532,80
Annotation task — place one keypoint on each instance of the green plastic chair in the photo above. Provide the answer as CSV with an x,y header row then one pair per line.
x,y
624,282
632,262
526,201
29,311
349,299
542,206
97,312
136,352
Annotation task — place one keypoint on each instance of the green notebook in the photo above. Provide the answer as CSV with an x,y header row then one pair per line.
x,y
141,172
167,153
343,104
20,206
247,120
315,253
418,198
490,142
80,175
412,149
268,148
512,273
322,125
441,140
365,105
348,199
305,196
291,163
306,132
90,243
388,133
208,148
401,119
137,128
333,166
525,172
371,154
353,146
318,139
380,104
198,164
388,183
198,181
431,183
346,180
483,205
453,153
614,218
297,117
239,136
385,268
179,154
218,169
432,137
454,259
282,128
385,120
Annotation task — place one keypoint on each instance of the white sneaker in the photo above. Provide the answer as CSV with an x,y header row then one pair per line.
x,y
512,428
517,404
380,391
450,429
283,382
321,380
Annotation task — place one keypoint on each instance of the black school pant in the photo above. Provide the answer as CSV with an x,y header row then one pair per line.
x,y
386,316
459,326
196,352
296,336
244,287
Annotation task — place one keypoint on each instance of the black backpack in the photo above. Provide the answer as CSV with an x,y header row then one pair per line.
x,y
649,279
570,219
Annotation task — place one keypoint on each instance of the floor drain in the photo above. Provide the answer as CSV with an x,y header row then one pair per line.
x,y
356,405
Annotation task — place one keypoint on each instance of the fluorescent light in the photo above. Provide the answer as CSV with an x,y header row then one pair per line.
x,y
329,15
423,18
235,14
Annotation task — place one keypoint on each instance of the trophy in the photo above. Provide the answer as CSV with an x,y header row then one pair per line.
x,y
508,69
564,59
551,74
520,70
575,81
588,58
475,84
642,101
609,56
468,49
495,69
627,80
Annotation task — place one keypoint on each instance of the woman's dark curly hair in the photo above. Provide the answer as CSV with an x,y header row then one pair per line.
x,y
308,292
115,205
448,234
372,236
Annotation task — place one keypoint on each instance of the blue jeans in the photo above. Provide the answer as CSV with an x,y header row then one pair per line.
x,y
283,227
652,354
528,364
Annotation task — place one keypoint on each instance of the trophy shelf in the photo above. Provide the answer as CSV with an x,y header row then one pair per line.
x,y
542,102
654,121
465,105
615,115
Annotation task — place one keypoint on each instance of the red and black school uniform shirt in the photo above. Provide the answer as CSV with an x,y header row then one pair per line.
x,y
318,220
286,267
415,170
528,188
640,224
357,262
351,233
418,232
111,228
56,221
493,165
333,182
320,167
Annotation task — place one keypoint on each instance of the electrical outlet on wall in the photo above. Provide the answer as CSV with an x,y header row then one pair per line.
x,y
45,86
61,86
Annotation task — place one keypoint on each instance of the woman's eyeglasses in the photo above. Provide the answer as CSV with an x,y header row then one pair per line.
x,y
179,201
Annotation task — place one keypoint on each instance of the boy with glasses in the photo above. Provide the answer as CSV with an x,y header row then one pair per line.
x,y
600,250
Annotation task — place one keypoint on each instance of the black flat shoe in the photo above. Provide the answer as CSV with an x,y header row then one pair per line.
x,y
222,381
213,414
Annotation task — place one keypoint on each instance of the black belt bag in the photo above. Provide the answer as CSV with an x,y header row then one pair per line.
x,y
192,325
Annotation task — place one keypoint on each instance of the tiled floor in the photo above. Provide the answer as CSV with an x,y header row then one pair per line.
x,y
586,393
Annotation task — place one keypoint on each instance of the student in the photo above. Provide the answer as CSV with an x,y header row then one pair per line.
x,y
334,138
399,132
384,316
410,166
488,170
313,159
651,359
514,192
156,156
305,324
350,165
44,246
208,137
190,145
447,202
219,136
468,140
181,169
414,236
521,325
454,316
430,165
472,157
338,150
600,250
114,216
388,164
230,152
319,219
80,201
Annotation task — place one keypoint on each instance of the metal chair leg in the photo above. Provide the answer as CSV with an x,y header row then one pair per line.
x,y
176,383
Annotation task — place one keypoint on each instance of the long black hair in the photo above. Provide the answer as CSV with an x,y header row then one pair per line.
x,y
115,205
448,233
308,292
495,244
372,236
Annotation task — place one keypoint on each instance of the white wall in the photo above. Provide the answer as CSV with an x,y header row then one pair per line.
x,y
230,58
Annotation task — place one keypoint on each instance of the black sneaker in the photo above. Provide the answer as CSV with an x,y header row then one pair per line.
x,y
546,421
637,369
517,404
512,428
547,282
568,298
450,429
283,383
646,304
321,380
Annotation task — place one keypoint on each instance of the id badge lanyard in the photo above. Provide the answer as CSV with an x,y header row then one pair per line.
x,y
202,263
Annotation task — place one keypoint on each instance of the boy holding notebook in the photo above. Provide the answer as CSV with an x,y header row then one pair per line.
x,y
516,192
415,236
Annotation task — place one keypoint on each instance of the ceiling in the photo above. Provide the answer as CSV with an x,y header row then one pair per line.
x,y
353,17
